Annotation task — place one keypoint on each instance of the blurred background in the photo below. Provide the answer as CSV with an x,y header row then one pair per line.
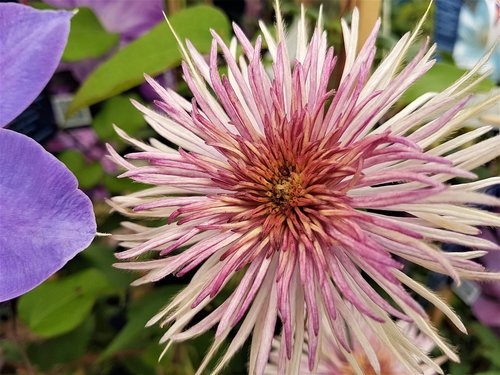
x,y
87,319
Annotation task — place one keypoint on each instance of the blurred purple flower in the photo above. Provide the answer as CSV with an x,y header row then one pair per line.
x,y
84,140
487,306
44,219
167,80
130,18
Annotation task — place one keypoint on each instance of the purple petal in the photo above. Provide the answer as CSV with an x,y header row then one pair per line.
x,y
129,18
491,261
487,311
31,44
44,219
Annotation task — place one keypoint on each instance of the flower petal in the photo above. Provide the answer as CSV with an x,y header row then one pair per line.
x,y
44,219
129,18
32,42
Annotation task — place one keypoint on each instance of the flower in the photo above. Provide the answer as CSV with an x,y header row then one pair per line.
x,y
478,30
44,219
331,359
487,306
28,35
131,19
484,298
297,192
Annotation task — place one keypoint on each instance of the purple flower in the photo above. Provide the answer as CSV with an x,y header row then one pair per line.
x,y
44,219
31,45
130,18
487,306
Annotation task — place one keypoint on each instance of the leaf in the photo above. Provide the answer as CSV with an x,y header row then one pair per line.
x,y
490,344
58,306
10,351
87,38
118,110
459,368
152,53
140,312
62,349
73,159
102,258
120,186
438,78
88,175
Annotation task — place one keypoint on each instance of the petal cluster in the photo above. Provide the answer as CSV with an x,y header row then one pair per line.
x,y
44,219
376,360
309,198
28,35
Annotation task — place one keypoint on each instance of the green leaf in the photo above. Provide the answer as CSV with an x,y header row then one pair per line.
x,y
102,258
120,186
62,349
139,313
118,110
484,334
88,175
153,53
73,159
10,351
58,306
490,344
459,368
438,78
87,38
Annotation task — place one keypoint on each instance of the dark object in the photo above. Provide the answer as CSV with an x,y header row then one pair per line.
x,y
446,23
37,121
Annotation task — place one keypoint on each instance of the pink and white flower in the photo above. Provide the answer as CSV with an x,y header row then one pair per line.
x,y
307,196
377,360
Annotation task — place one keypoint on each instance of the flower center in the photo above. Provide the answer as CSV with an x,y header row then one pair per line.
x,y
286,188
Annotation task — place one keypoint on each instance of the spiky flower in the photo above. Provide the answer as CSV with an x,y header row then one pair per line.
x,y
308,198
375,358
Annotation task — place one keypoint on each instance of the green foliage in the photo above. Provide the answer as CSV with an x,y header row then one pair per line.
x,y
479,351
88,174
409,14
87,38
121,185
489,346
152,53
60,305
120,111
438,78
101,257
133,334
62,349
